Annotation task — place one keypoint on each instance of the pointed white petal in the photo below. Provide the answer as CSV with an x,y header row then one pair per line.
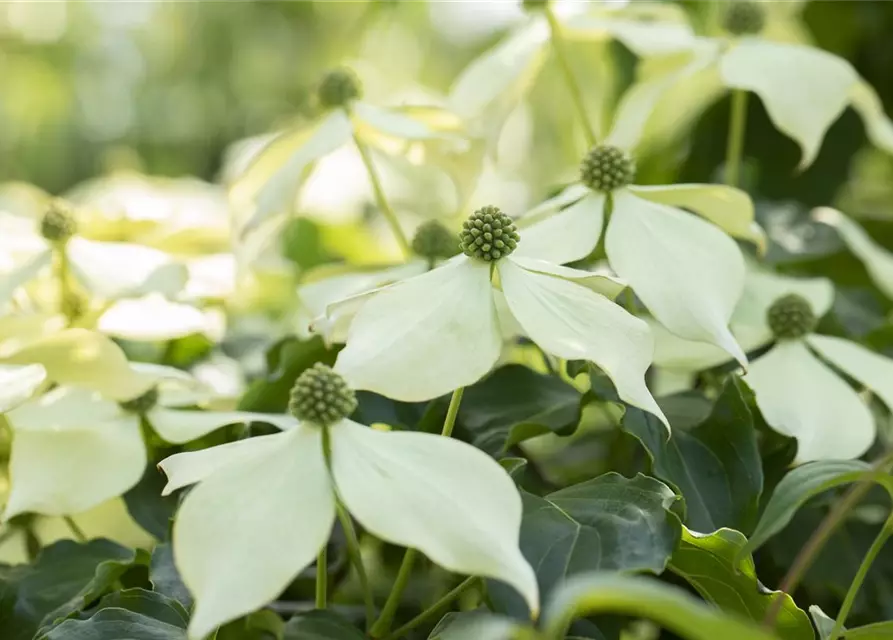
x,y
762,288
268,514
15,278
801,397
438,495
600,282
688,273
877,125
566,235
568,196
677,354
178,425
18,383
803,89
119,269
728,208
393,123
871,369
877,260
71,451
646,28
151,318
425,336
572,322
19,330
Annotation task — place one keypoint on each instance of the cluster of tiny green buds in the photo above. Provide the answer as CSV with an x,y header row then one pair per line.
x,y
338,88
606,168
321,396
434,241
534,5
141,404
744,17
58,223
791,317
488,235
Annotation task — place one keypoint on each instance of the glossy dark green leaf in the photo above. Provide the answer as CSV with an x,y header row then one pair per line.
x,y
260,625
116,624
715,465
709,563
146,505
480,625
800,485
148,603
320,625
609,523
164,575
515,404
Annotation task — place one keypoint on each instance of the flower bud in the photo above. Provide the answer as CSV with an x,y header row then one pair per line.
x,y
791,317
606,168
321,396
488,235
58,223
434,241
743,18
338,88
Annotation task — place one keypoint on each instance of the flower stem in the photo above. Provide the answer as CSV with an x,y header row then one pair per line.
x,y
79,534
321,576
353,550
822,534
63,280
386,618
735,143
564,62
461,588
380,199
867,561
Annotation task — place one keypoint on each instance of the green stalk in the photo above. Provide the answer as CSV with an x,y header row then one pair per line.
x,y
380,199
63,276
856,584
433,609
564,62
386,617
321,577
79,534
735,143
353,551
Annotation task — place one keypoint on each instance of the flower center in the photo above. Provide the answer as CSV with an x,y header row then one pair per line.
x,y
58,223
791,317
744,18
338,88
321,396
141,404
434,241
606,168
488,235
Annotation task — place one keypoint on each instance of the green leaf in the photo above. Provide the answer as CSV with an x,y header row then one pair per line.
x,y
515,404
715,465
145,504
480,625
800,485
148,603
260,625
709,564
116,624
876,631
609,523
302,243
641,597
321,625
823,623
164,576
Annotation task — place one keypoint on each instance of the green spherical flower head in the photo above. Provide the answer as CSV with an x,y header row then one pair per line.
x,y
338,88
434,241
488,235
791,317
744,18
58,223
321,396
606,168
141,404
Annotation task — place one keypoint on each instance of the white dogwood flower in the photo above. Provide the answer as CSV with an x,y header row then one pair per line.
x,y
430,334
795,382
441,496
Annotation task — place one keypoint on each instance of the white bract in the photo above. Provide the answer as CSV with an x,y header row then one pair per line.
x,y
264,507
795,382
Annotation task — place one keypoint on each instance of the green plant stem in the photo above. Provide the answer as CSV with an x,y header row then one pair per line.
x,y
735,143
63,279
461,588
564,62
79,534
353,550
810,551
856,584
321,577
386,617
380,199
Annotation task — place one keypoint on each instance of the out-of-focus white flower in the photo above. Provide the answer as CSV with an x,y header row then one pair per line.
x,y
441,496
795,382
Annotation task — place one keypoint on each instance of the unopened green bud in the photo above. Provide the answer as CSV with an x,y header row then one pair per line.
x,y
488,235
744,18
321,396
791,317
434,241
338,88
141,404
606,168
58,223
